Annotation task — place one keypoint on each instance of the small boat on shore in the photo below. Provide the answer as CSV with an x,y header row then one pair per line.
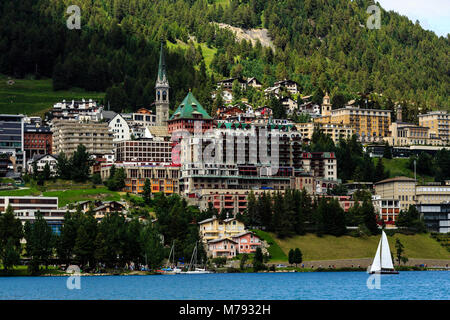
x,y
382,263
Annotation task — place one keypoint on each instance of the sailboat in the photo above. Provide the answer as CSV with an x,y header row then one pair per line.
x,y
382,263
193,263
173,269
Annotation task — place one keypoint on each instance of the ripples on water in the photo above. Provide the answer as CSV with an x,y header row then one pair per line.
x,y
262,286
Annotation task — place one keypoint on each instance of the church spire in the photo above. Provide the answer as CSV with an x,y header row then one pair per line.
x,y
162,74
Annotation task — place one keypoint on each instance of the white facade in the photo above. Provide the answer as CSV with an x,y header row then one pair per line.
x,y
41,162
120,128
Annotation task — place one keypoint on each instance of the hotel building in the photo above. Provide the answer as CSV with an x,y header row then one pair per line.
x,y
438,123
95,136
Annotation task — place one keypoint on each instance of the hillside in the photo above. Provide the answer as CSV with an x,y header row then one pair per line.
x,y
323,45
35,97
419,246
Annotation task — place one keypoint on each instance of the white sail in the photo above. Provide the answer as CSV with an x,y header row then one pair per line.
x,y
376,264
386,258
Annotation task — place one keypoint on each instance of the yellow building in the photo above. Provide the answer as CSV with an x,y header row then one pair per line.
x,y
438,123
214,228
408,134
398,188
370,125
334,130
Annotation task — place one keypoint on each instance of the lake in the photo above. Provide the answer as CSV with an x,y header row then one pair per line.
x,y
238,286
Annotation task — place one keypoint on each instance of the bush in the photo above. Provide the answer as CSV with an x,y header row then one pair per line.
x,y
233,270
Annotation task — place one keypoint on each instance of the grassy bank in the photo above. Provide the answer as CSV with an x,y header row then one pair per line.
x,y
66,191
35,97
276,253
400,167
419,246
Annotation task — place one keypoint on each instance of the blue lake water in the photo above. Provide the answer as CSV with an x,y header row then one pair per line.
x,y
430,285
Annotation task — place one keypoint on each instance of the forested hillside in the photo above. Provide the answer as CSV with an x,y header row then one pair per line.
x,y
324,45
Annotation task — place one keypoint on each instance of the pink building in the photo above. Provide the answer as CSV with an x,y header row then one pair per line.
x,y
247,242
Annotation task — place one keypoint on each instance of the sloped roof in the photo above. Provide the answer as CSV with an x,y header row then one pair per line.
x,y
162,74
188,108
159,131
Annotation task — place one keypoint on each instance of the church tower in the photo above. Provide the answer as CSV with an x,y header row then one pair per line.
x,y
326,105
162,91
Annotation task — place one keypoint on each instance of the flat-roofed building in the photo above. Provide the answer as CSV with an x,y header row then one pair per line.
x,y
144,150
438,123
432,194
408,134
335,131
12,140
163,178
369,124
28,203
436,216
95,136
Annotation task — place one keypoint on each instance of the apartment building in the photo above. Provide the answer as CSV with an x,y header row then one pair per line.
x,y
11,140
163,178
215,228
436,216
438,123
370,125
76,110
95,136
119,128
386,209
155,150
335,131
37,140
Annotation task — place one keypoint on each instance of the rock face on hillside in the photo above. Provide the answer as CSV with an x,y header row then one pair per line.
x,y
251,34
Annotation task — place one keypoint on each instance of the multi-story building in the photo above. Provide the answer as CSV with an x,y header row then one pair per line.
x,y
402,189
214,228
119,128
408,134
155,150
232,200
37,140
189,113
12,140
432,194
142,118
386,209
163,178
95,136
369,124
26,209
436,216
28,203
79,110
438,123
336,131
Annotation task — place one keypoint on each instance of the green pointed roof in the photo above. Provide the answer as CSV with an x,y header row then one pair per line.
x,y
188,108
162,74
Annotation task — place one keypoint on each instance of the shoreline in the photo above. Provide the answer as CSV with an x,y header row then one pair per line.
x,y
235,271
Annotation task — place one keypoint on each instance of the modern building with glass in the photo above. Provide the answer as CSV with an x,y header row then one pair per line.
x,y
11,140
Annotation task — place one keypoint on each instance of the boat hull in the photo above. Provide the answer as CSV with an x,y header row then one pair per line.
x,y
384,272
